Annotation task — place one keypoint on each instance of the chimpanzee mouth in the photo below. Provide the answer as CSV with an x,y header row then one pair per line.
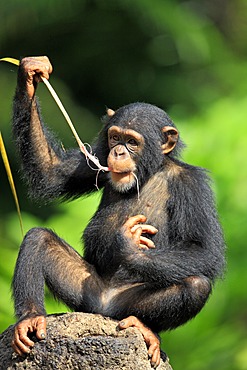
x,y
123,177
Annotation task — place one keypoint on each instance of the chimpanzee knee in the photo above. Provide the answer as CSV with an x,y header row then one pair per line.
x,y
37,236
200,287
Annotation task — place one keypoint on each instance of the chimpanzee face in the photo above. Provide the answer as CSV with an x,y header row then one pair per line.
x,y
126,147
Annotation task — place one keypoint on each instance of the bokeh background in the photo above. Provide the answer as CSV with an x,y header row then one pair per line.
x,y
189,58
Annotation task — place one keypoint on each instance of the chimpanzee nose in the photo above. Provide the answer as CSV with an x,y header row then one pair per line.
x,y
119,151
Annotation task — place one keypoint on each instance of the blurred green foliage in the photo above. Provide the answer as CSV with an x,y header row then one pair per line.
x,y
188,57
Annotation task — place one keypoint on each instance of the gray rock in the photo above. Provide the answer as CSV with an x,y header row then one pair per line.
x,y
82,342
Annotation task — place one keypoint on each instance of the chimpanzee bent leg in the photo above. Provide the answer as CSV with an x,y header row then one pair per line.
x,y
161,309
44,257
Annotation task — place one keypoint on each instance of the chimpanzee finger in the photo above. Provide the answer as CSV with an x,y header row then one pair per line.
x,y
130,223
20,348
21,343
148,229
143,246
20,334
45,60
40,72
154,355
141,241
16,349
147,242
40,327
36,62
136,235
134,220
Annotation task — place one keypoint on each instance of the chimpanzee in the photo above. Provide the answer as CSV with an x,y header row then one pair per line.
x,y
154,247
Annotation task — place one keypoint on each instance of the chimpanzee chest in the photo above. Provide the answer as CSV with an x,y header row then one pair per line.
x,y
109,219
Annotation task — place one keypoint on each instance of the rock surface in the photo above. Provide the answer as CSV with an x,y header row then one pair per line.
x,y
82,342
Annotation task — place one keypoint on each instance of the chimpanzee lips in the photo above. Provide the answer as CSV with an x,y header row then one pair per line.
x,y
123,177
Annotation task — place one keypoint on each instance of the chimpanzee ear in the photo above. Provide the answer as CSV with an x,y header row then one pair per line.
x,y
171,135
110,112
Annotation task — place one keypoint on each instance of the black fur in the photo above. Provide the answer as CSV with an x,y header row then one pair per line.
x,y
165,286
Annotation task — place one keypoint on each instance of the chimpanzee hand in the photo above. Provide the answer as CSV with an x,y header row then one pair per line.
x,y
31,70
21,343
133,230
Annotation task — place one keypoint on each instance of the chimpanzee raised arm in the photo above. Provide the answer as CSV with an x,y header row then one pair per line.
x,y
154,247
51,171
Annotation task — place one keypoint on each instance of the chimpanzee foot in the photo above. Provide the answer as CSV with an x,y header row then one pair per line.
x,y
150,338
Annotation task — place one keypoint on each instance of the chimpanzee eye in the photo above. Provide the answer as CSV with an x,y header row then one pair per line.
x,y
115,138
132,142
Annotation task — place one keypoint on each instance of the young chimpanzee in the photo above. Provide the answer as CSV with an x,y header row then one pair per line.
x,y
154,247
